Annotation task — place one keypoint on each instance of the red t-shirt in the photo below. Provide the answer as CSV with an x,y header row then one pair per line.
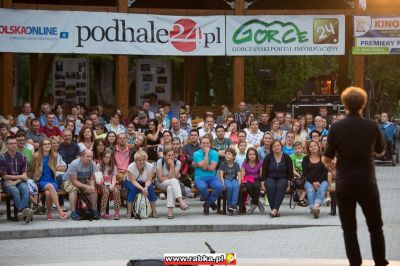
x,y
49,132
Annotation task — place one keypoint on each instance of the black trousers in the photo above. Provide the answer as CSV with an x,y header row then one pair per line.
x,y
367,196
254,191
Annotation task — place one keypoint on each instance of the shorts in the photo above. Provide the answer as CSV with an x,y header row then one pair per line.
x,y
68,187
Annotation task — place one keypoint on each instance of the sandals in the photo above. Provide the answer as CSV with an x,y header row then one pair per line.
x,y
170,216
186,208
154,215
49,216
128,216
302,203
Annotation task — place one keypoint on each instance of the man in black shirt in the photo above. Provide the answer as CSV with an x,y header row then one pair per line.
x,y
68,150
264,124
355,140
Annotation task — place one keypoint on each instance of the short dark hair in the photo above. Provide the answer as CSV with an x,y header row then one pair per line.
x,y
10,138
219,126
34,120
242,131
20,133
194,130
231,151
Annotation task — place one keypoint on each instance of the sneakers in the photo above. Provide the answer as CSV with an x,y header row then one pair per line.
x,y
328,202
316,213
96,215
206,209
213,206
106,216
252,208
75,216
261,207
233,209
117,216
162,196
29,215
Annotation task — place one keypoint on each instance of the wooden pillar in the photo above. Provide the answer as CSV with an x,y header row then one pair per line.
x,y
191,67
344,60
6,77
121,72
238,65
358,62
6,84
33,72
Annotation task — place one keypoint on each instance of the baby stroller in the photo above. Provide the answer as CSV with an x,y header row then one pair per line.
x,y
390,132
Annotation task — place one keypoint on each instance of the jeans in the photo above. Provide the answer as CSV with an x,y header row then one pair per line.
x,y
315,196
59,181
367,196
232,191
132,191
254,191
20,195
203,183
276,189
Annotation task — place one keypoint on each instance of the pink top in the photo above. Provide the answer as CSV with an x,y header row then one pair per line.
x,y
252,171
122,158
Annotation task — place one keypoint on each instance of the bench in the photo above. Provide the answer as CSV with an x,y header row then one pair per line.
x,y
5,197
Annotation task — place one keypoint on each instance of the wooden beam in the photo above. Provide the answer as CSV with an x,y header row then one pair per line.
x,y
64,7
6,76
191,70
33,72
42,76
6,84
238,65
358,62
121,72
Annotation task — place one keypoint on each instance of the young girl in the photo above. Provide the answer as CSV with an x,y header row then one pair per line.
x,y
111,139
251,172
109,184
241,156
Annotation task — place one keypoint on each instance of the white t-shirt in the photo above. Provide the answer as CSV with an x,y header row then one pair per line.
x,y
164,168
140,177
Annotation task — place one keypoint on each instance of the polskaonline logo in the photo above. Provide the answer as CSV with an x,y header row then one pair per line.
x,y
32,31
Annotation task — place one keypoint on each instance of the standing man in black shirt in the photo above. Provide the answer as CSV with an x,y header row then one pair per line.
x,y
355,140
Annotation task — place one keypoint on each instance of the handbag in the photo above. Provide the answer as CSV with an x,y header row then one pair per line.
x,y
299,182
84,207
248,179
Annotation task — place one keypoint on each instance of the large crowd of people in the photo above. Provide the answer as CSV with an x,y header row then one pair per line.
x,y
160,147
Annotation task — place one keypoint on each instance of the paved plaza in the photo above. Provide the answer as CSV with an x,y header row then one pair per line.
x,y
293,239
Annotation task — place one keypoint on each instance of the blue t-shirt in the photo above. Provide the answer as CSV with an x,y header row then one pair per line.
x,y
198,156
288,151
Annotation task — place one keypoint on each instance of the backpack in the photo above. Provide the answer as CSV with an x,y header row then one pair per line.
x,y
84,207
141,207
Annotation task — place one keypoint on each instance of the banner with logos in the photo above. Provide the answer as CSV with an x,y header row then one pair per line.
x,y
285,35
34,31
376,35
